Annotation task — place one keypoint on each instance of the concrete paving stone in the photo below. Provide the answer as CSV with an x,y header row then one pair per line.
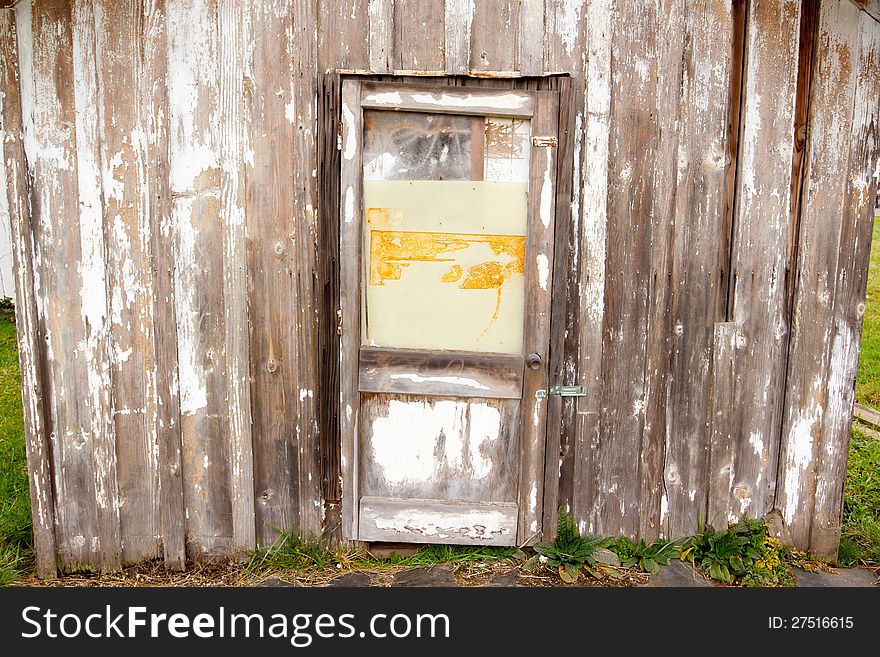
x,y
679,574
436,576
508,579
275,582
356,579
839,577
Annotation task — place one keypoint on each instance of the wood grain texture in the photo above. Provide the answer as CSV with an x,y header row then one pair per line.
x,y
496,32
458,24
126,233
437,521
849,296
440,373
668,105
579,462
381,16
531,41
836,212
351,211
560,324
419,35
871,7
30,359
633,148
158,205
760,247
438,447
195,178
699,260
234,23
343,35
281,245
536,331
727,348
57,53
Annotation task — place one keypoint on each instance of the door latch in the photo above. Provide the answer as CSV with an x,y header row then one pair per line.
x,y
563,391
547,142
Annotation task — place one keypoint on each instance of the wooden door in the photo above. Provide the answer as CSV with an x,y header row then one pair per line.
x,y
446,254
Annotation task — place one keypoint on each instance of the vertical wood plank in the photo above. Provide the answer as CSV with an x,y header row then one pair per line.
x,y
760,247
591,251
343,35
71,293
15,69
633,149
815,343
281,246
158,206
304,117
459,18
538,285
351,195
699,259
195,178
419,35
495,36
849,296
727,346
234,33
655,472
118,29
564,35
381,13
532,31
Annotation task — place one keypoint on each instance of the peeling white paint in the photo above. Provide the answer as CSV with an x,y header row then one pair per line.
x,y
474,524
404,441
508,101
756,440
798,458
543,270
384,98
454,380
348,120
348,210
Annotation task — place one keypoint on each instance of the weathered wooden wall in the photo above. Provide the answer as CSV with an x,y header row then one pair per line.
x,y
171,175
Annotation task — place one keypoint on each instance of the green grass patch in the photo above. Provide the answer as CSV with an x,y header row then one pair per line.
x,y
860,540
16,552
868,382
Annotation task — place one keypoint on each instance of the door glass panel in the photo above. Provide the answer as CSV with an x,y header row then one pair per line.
x,y
445,204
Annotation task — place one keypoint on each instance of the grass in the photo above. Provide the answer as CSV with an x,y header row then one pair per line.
x,y
868,382
860,542
16,555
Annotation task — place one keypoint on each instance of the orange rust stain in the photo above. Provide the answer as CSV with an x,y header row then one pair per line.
x,y
392,250
378,217
452,275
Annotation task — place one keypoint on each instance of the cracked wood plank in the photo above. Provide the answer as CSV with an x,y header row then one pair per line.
x,y
26,319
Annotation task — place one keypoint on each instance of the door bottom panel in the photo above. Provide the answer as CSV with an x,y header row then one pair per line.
x,y
412,520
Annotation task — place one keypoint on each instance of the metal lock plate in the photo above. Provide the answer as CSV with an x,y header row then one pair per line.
x,y
563,391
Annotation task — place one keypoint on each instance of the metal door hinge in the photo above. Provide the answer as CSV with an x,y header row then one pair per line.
x,y
563,391
339,321
545,141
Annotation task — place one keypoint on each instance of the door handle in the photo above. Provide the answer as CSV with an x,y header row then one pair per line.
x,y
533,361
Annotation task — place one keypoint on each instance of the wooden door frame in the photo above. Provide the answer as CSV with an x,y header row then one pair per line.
x,y
542,109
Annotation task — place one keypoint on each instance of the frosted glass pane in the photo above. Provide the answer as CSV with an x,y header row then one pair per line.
x,y
445,263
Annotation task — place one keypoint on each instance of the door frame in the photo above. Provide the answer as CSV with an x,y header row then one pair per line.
x,y
542,109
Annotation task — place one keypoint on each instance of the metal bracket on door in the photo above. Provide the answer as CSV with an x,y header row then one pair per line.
x,y
563,391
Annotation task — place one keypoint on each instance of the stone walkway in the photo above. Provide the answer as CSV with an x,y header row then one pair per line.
x,y
676,574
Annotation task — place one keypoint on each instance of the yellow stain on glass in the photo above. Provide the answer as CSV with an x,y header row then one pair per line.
x,y
391,251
